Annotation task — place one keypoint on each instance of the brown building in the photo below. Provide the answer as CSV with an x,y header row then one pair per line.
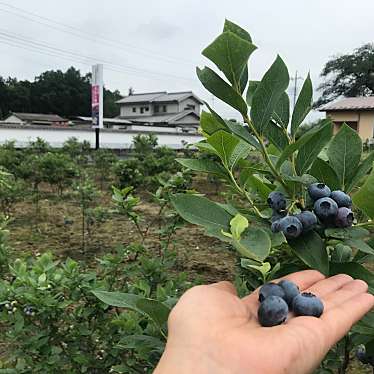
x,y
356,112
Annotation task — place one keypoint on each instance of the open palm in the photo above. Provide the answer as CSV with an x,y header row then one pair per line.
x,y
212,330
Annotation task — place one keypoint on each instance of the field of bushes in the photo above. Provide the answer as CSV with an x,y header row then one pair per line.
x,y
76,220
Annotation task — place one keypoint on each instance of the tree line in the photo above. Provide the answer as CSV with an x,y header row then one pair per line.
x,y
54,92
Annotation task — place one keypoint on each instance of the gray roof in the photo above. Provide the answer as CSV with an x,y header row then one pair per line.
x,y
350,103
164,118
158,97
105,120
39,117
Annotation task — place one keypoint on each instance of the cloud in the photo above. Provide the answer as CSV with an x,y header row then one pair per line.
x,y
158,29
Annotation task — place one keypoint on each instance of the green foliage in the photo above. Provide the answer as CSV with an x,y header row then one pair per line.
x,y
54,323
291,159
348,75
65,93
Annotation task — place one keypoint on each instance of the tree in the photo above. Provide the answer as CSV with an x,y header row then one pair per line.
x,y
64,93
348,75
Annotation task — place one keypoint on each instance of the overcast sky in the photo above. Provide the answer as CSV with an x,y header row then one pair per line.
x,y
155,45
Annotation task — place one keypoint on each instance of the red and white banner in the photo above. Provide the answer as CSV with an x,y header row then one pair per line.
x,y
97,96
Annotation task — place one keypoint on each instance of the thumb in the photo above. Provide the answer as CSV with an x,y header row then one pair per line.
x,y
225,286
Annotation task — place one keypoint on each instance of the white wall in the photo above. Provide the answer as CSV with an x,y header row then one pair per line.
x,y
126,110
108,139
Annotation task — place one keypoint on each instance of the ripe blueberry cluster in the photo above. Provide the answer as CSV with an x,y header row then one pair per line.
x,y
363,356
278,299
330,209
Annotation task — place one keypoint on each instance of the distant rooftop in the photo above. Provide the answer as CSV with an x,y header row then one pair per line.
x,y
154,97
350,103
39,117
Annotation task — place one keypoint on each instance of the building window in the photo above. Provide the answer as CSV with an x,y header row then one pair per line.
x,y
189,107
134,110
164,108
353,125
146,108
142,110
157,108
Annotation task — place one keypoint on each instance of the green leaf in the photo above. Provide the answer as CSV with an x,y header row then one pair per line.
x,y
323,172
257,186
204,166
153,309
275,135
310,150
360,245
355,270
281,113
209,123
364,197
303,105
230,53
366,325
292,148
230,148
219,88
311,249
344,154
252,87
237,226
362,170
240,32
347,233
268,94
242,131
254,243
201,211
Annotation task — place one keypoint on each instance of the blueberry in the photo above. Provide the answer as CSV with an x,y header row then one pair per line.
x,y
273,311
361,354
326,209
307,304
344,218
277,201
318,190
275,226
290,289
290,226
270,289
276,216
308,220
341,198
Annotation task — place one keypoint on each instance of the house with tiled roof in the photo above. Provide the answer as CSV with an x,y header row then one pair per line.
x,y
171,109
36,119
356,112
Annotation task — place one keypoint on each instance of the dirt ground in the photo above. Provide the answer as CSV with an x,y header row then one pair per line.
x,y
200,256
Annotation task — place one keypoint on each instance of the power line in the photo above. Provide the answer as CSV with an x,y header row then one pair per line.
x,y
50,48
62,27
32,48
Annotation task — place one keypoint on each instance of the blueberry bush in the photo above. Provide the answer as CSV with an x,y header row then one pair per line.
x,y
309,203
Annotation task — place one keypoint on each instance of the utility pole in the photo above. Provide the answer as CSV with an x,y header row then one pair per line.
x,y
295,79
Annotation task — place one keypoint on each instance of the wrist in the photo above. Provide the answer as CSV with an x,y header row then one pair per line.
x,y
187,360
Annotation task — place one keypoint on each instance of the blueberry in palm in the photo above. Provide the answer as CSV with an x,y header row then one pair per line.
x,y
273,311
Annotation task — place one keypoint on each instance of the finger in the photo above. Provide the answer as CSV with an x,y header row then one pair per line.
x,y
304,279
349,290
332,284
224,286
339,320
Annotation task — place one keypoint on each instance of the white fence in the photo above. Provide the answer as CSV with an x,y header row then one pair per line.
x,y
109,138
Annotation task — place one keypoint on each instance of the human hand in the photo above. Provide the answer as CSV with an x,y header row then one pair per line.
x,y
212,330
